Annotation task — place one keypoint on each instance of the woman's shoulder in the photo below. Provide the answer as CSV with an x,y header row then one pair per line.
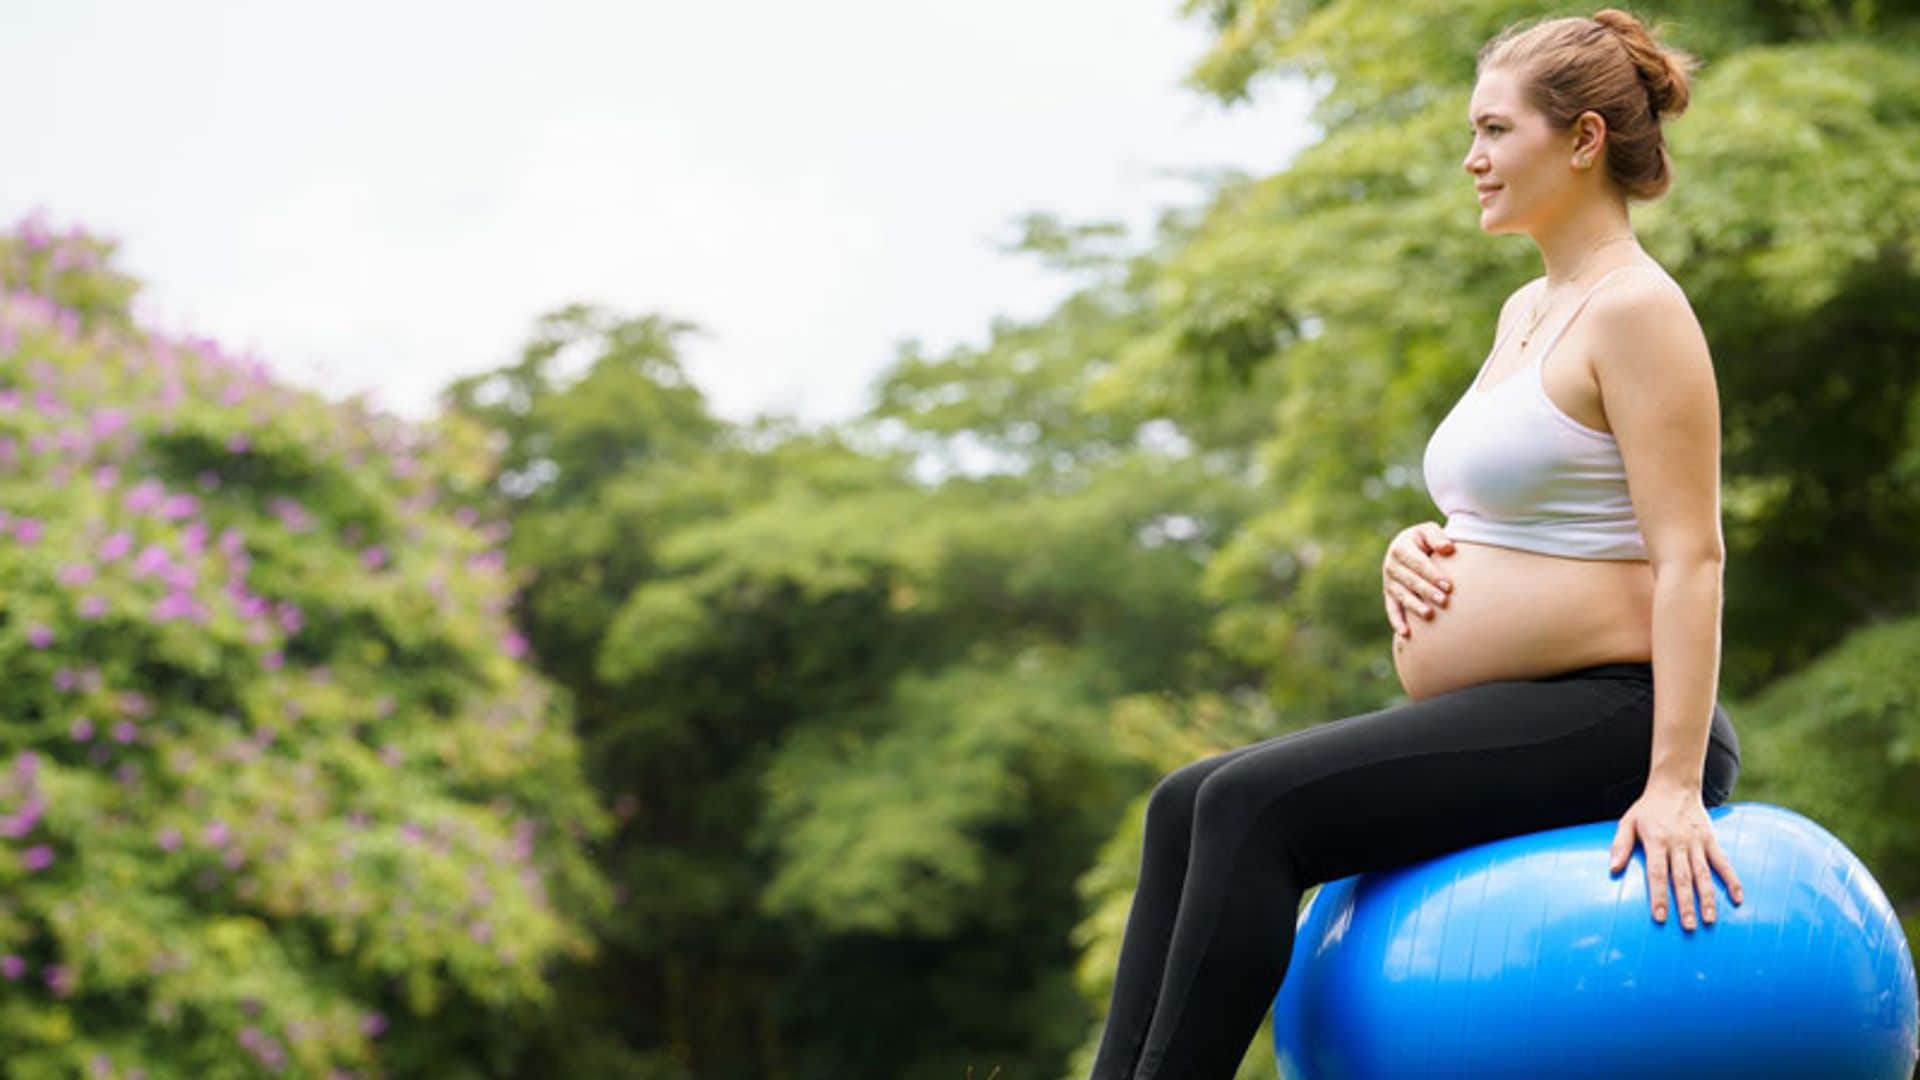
x,y
1518,299
1643,287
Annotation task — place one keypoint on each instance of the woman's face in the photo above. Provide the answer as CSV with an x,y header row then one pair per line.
x,y
1526,163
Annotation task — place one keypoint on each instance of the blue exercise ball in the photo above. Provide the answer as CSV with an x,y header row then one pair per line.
x,y
1526,958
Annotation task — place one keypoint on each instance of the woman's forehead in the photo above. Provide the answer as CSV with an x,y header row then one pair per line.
x,y
1494,93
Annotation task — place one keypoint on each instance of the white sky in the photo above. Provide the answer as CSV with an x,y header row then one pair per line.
x,y
385,195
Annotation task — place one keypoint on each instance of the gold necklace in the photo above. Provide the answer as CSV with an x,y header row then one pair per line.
x,y
1540,309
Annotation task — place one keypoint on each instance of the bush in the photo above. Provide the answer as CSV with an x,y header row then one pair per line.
x,y
276,791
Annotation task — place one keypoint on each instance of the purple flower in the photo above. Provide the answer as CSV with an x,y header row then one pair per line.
x,y
38,857
12,966
152,559
239,444
177,604
145,496
116,545
28,530
74,573
168,838
515,643
291,514
372,1024
48,403
92,607
15,826
374,557
108,421
65,678
39,635
82,730
125,732
216,832
179,506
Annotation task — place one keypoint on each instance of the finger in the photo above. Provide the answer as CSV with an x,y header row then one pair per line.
x,y
1657,878
1724,866
1436,538
1680,867
1703,880
1423,586
1622,849
1442,544
1407,599
1394,618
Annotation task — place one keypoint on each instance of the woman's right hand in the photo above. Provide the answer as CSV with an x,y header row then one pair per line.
x,y
1409,577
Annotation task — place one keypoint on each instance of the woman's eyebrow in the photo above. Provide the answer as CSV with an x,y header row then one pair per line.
x,y
1489,115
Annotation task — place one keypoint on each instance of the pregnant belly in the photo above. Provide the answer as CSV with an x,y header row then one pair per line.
x,y
1520,615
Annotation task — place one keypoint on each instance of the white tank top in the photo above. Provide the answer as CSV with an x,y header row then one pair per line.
x,y
1508,467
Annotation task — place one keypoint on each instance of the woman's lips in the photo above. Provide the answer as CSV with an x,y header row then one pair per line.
x,y
1488,193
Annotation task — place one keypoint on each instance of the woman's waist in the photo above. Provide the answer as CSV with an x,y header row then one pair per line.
x,y
1551,585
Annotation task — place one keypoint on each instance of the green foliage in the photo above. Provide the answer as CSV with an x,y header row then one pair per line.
x,y
847,716
1839,741
279,794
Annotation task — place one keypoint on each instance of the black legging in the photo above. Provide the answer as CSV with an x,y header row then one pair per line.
x,y
1234,840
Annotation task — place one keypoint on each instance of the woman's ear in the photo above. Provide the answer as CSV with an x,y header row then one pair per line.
x,y
1589,141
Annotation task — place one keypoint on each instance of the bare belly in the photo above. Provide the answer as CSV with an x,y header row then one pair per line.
x,y
1520,614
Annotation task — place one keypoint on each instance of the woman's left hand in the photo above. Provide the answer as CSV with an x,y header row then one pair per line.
x,y
1672,824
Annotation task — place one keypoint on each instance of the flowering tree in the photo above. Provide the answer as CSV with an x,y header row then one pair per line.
x,y
276,792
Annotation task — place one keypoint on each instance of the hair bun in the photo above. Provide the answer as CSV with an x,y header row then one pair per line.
x,y
1664,72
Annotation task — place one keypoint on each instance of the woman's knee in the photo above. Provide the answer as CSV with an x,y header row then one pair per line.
x,y
1170,806
1230,797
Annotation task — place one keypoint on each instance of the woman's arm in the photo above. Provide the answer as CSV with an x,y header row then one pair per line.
x,y
1657,388
1686,668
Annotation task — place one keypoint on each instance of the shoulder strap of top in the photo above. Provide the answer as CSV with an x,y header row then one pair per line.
x,y
1539,358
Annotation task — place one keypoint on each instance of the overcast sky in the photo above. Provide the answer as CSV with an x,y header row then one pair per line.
x,y
385,195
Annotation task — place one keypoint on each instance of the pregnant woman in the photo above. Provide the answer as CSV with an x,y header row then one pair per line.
x,y
1558,640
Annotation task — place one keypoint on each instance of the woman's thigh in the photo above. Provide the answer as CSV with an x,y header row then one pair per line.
x,y
1416,780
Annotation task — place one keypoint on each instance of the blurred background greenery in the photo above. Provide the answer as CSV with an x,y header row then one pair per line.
x,y
578,732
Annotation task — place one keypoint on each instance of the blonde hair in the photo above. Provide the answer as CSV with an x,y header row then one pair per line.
x,y
1609,64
